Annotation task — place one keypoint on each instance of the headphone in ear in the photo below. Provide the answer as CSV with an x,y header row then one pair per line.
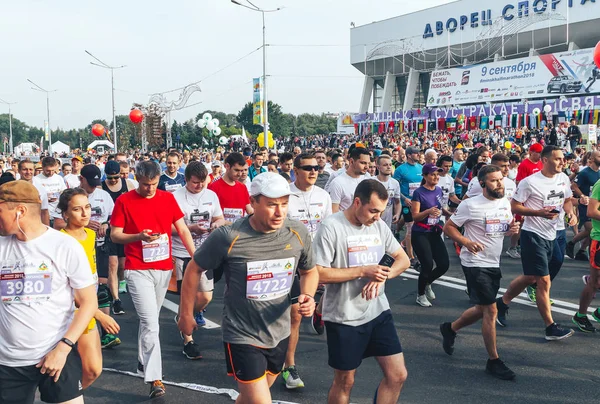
x,y
482,184
18,213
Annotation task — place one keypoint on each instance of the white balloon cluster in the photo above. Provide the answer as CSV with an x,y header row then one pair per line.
x,y
209,123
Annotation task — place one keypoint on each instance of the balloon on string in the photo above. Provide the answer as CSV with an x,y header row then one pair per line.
x,y
210,125
207,117
217,131
547,108
536,111
216,122
261,140
201,124
223,140
597,55
136,116
508,145
98,130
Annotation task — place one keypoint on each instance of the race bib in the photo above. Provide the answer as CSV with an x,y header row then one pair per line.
x,y
28,282
231,214
433,220
203,220
157,250
364,250
270,279
412,187
172,187
554,201
497,223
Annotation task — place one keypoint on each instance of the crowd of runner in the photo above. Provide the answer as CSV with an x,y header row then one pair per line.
x,y
314,232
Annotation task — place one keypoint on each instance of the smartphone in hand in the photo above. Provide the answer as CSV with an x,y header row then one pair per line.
x,y
387,261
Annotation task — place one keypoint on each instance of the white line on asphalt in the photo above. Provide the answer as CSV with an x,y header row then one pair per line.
x,y
174,307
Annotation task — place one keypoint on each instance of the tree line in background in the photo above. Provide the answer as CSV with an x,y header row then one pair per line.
x,y
184,134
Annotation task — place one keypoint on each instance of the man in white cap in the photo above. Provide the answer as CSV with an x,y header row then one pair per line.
x,y
259,255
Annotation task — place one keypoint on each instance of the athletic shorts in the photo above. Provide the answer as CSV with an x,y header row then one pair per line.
x,y
583,217
595,254
348,346
536,253
407,215
114,249
249,363
102,260
295,291
206,284
483,284
19,384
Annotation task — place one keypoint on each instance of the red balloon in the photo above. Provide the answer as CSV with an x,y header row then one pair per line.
x,y
136,116
98,130
597,55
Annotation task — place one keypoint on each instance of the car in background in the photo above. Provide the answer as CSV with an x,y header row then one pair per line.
x,y
564,84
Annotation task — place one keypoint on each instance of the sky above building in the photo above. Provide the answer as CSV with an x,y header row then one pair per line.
x,y
168,45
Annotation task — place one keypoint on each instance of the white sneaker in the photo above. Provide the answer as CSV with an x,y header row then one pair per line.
x,y
422,301
513,253
429,293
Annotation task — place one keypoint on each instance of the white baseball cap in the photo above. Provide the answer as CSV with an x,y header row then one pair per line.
x,y
271,185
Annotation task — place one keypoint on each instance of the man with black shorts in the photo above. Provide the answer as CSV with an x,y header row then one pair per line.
x,y
540,198
259,256
487,219
358,320
43,273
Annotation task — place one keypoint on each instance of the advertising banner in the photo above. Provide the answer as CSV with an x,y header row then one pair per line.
x,y
257,101
551,75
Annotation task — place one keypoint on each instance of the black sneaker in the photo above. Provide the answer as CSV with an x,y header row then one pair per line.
x,y
498,369
583,323
581,256
449,337
555,332
570,250
317,323
191,350
117,307
502,312
157,389
140,369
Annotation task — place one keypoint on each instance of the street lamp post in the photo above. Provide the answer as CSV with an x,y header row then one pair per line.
x,y
10,141
112,83
40,89
253,7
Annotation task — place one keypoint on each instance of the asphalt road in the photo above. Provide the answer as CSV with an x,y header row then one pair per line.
x,y
547,372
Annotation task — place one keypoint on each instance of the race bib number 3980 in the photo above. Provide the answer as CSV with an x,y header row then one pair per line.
x,y
270,279
27,283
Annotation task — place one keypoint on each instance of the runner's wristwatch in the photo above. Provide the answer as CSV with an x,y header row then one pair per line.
x,y
67,341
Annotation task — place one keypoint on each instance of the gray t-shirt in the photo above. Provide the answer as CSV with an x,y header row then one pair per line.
x,y
340,244
322,179
259,270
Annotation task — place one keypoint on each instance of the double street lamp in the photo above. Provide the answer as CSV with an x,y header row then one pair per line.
x,y
10,144
253,7
40,89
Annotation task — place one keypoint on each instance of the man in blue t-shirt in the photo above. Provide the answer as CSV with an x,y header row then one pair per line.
x,y
409,175
171,180
457,161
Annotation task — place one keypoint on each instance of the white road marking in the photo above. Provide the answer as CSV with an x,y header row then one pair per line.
x,y
174,307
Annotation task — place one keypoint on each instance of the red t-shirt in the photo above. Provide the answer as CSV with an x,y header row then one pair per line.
x,y
134,213
528,167
232,198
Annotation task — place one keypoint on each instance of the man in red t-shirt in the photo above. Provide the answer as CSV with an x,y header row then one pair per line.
x,y
233,195
143,220
532,164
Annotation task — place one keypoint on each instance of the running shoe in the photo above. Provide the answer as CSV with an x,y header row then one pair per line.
x,y
117,307
317,323
531,293
555,332
581,256
596,315
429,293
422,301
583,323
448,338
199,317
292,378
570,250
109,341
157,389
502,312
191,350
513,253
585,279
122,286
140,369
498,369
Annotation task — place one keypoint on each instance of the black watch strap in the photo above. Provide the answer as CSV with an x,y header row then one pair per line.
x,y
67,341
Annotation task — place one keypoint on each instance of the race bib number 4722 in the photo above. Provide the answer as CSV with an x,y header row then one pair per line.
x,y
269,279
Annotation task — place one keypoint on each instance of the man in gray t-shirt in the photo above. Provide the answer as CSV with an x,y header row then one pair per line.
x,y
349,246
259,256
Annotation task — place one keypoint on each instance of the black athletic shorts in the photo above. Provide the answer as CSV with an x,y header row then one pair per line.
x,y
536,253
102,260
249,363
407,215
18,384
295,291
583,217
114,249
483,284
348,345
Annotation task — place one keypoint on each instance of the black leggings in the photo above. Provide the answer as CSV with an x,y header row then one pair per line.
x,y
429,248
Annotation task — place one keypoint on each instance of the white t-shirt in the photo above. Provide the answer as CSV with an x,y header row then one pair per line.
x,y
474,188
342,189
54,186
309,207
72,181
198,208
43,195
333,175
393,187
485,221
512,173
538,191
446,183
55,263
102,208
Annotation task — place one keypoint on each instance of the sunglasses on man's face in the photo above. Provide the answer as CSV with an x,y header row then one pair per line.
x,y
113,177
309,168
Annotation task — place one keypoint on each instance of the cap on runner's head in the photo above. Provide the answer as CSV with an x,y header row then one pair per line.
x,y
536,148
431,168
92,174
19,191
271,185
77,158
216,163
112,168
412,150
